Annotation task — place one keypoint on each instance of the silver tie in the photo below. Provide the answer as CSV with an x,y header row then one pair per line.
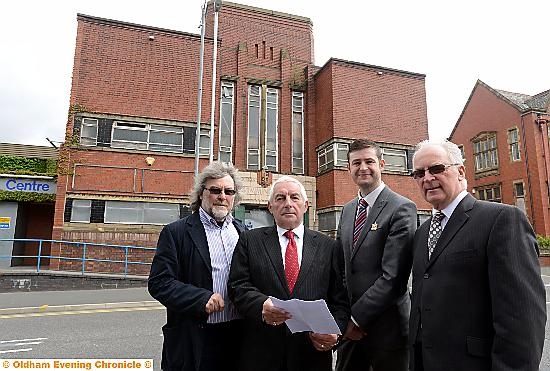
x,y
435,231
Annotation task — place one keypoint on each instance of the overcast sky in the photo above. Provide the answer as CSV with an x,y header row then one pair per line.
x,y
503,43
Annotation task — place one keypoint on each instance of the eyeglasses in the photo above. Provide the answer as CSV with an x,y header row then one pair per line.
x,y
217,191
434,169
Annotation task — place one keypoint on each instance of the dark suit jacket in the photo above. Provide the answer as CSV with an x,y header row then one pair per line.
x,y
181,279
378,269
257,272
480,298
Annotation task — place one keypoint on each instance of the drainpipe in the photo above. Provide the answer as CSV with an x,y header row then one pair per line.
x,y
542,123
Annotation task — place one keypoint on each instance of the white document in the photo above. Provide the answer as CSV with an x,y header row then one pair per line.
x,y
308,316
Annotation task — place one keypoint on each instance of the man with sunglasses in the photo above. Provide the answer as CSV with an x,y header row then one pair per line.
x,y
189,276
375,234
478,300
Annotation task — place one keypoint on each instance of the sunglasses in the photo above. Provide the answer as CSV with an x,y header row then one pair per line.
x,y
434,169
217,191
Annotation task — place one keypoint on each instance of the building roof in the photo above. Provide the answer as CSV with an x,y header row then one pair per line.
x,y
527,102
378,69
523,102
26,150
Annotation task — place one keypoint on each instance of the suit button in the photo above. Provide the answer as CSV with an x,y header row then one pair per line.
x,y
426,276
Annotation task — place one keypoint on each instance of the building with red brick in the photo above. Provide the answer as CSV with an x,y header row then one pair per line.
x,y
128,157
504,139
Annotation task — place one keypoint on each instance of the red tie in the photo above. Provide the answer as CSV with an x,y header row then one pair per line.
x,y
360,220
291,261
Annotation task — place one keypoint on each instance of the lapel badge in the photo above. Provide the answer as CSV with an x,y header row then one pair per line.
x,y
374,226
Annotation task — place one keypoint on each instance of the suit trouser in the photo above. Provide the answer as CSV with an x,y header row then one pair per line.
x,y
356,356
221,346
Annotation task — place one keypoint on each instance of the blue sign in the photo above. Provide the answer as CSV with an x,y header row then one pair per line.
x,y
28,185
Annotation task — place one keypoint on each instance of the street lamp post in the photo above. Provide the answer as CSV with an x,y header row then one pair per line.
x,y
217,7
199,103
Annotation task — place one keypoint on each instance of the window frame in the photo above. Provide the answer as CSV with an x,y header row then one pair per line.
x,y
274,106
391,167
147,144
83,124
75,206
253,151
514,146
485,153
294,109
140,210
483,195
227,105
334,149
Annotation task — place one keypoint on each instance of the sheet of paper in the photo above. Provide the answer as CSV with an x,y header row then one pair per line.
x,y
308,316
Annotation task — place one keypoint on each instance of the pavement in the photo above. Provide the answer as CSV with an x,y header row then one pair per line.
x,y
51,301
56,301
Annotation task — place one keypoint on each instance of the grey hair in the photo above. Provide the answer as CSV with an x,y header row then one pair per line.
x,y
215,170
452,150
289,179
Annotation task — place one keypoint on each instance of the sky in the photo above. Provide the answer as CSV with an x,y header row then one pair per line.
x,y
503,43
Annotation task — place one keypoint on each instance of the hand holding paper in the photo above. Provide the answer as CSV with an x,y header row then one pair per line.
x,y
311,316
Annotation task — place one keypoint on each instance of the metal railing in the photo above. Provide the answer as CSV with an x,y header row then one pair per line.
x,y
88,254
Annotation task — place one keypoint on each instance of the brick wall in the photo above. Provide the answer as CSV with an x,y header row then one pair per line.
x,y
486,111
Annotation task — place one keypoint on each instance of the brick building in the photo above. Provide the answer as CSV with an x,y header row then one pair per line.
x,y
504,138
128,158
27,197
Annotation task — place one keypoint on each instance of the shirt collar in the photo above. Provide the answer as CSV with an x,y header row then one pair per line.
x,y
448,211
206,219
371,197
298,231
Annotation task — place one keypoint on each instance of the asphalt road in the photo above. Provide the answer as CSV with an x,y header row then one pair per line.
x,y
133,333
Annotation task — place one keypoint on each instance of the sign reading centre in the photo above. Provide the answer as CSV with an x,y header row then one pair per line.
x,y
24,184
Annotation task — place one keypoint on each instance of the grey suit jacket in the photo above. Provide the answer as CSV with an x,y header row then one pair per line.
x,y
257,272
480,298
377,269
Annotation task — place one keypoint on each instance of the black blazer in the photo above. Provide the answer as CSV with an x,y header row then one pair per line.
x,y
257,271
480,298
378,268
181,279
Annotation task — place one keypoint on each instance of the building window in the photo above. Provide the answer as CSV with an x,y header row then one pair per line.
x,y
328,221
485,153
271,129
147,137
461,148
489,193
334,154
88,132
226,122
519,194
81,210
395,159
262,134
254,100
126,212
513,143
297,132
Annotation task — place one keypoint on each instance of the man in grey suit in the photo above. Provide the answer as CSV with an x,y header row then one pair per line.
x,y
375,233
286,261
189,277
478,300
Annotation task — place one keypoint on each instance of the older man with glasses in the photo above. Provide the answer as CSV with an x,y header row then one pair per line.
x,y
478,300
189,277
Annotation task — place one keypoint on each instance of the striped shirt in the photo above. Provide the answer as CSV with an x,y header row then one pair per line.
x,y
221,244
